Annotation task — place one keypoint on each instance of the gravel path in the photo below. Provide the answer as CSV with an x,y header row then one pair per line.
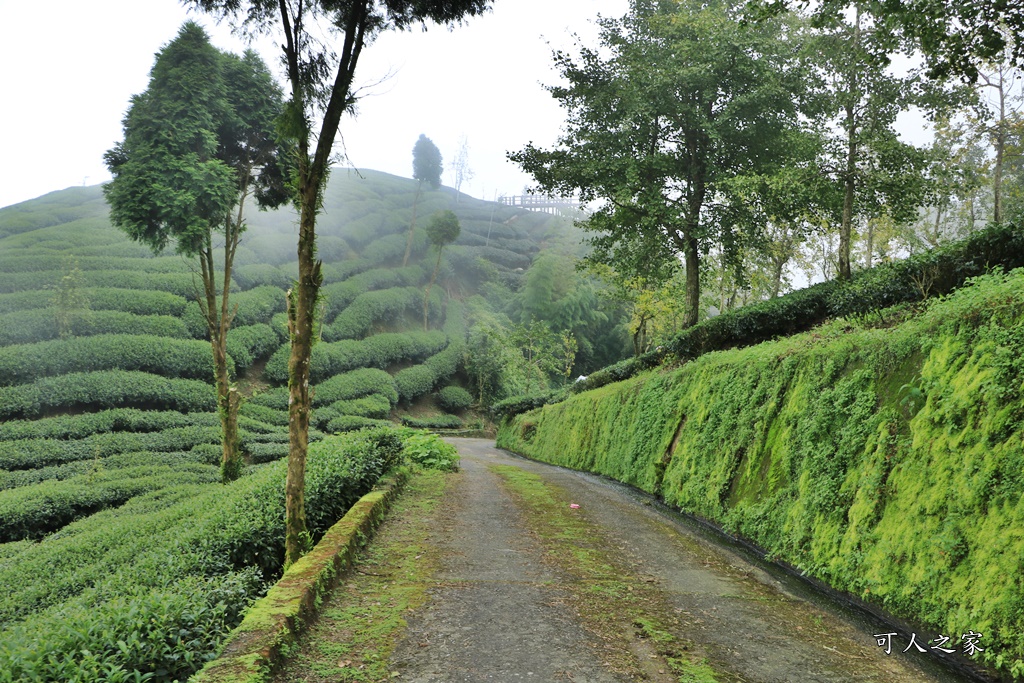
x,y
501,605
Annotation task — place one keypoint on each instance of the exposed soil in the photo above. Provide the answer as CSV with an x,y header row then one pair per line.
x,y
503,581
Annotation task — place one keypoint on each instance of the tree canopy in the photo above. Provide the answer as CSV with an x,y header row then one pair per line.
x,y
426,162
677,104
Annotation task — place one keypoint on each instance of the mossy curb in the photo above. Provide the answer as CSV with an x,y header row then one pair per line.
x,y
272,624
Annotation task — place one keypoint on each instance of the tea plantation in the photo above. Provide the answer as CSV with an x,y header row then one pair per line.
x,y
122,557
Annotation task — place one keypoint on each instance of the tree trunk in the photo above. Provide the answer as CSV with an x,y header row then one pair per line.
x,y
426,295
412,226
692,263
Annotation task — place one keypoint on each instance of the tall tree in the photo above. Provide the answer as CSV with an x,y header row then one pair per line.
x,y
321,87
880,175
443,229
677,101
957,38
426,167
196,144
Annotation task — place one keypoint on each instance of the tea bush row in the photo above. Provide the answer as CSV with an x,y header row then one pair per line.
x,y
40,324
338,295
184,358
153,587
118,420
251,343
254,306
371,406
106,389
261,274
31,512
378,306
454,399
199,454
137,301
421,379
379,350
351,423
32,453
437,422
22,262
181,284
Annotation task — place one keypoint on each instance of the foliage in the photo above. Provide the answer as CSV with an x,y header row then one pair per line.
x,y
428,450
454,399
426,162
356,384
250,343
187,358
350,423
436,422
150,589
105,389
40,324
374,307
378,351
663,164
803,446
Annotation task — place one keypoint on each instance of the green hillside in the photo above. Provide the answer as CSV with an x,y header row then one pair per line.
x,y
109,439
881,454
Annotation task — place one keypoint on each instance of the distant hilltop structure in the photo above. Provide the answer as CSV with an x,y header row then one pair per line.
x,y
542,202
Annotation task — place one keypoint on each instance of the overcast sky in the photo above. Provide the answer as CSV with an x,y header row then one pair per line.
x,y
66,80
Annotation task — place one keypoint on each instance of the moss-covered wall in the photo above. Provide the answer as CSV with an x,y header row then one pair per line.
x,y
887,462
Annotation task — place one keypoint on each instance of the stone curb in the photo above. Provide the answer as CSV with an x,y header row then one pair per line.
x,y
272,624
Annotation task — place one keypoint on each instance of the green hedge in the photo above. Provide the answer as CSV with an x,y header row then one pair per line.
x,y
154,586
885,462
31,512
196,455
338,295
374,405
40,324
32,453
453,399
351,423
380,350
184,358
181,284
108,389
438,422
251,343
379,306
118,420
24,261
929,274
355,384
254,306
260,274
421,379
257,411
139,302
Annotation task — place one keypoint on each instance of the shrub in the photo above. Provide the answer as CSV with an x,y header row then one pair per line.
x,y
350,423
169,573
428,450
437,422
374,405
377,306
139,302
453,399
30,512
115,420
108,389
32,453
414,381
355,384
40,324
258,274
380,350
186,358
251,343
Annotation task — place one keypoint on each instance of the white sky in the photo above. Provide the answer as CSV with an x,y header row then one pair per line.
x,y
66,81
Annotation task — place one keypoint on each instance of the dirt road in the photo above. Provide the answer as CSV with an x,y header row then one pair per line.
x,y
500,579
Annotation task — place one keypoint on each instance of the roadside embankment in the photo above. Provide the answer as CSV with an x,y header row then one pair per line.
x,y
883,458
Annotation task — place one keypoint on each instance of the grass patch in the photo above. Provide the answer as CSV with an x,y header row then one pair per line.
x,y
361,621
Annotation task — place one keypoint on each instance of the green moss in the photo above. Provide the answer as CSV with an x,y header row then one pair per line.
x,y
886,462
